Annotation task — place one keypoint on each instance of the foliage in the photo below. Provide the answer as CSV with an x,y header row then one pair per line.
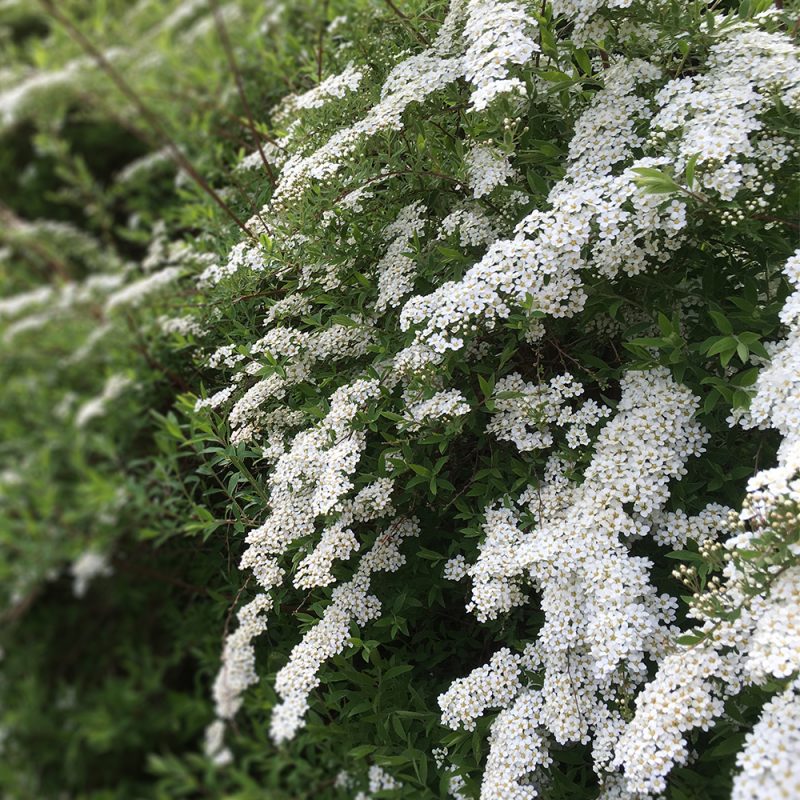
x,y
400,400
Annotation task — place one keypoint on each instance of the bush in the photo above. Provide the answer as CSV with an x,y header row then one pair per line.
x,y
400,400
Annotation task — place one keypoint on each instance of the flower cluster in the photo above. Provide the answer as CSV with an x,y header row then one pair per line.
x,y
767,762
516,750
332,88
338,541
486,169
759,641
474,226
410,81
114,386
590,215
603,617
684,695
136,293
714,118
86,568
237,670
310,480
396,269
442,406
350,602
379,781
497,33
183,326
493,685
52,305
776,401
525,412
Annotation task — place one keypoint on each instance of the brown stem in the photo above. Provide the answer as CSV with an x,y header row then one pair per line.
x,y
139,345
321,40
407,22
269,293
237,76
207,105
539,51
151,119
232,607
255,211
564,355
779,220
147,138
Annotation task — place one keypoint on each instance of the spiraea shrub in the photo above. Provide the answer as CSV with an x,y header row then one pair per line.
x,y
400,399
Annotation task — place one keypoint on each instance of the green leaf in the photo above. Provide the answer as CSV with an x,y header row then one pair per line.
x,y
583,61
362,750
555,76
397,724
654,181
743,352
746,378
722,343
690,639
487,385
685,555
347,322
726,356
732,743
399,669
722,322
712,398
690,166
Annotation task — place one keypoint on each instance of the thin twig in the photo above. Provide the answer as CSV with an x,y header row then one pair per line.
x,y
141,347
152,120
268,293
233,606
407,22
237,76
393,174
200,101
321,40
146,137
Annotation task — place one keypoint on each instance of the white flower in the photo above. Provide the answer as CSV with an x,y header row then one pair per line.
x,y
86,568
333,87
134,294
396,269
350,602
442,406
769,765
487,168
114,386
